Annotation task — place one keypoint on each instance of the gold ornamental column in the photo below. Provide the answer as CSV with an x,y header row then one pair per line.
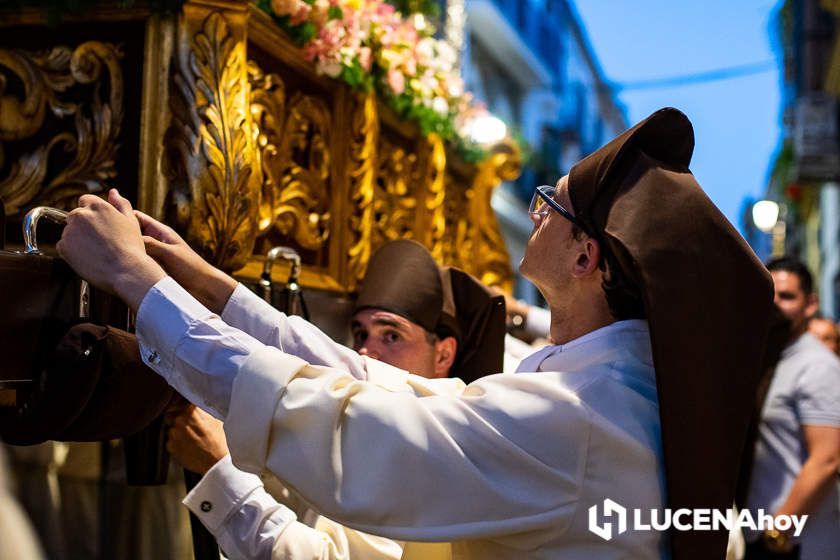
x,y
473,240
210,161
492,261
361,171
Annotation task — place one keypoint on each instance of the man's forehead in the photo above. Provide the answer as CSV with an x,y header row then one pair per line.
x,y
786,279
375,316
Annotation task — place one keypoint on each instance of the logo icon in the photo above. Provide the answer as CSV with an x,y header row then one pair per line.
x,y
611,509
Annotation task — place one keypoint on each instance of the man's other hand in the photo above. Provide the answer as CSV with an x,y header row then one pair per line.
x,y
210,286
102,243
196,439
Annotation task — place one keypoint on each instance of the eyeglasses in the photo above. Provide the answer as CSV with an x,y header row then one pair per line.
x,y
543,201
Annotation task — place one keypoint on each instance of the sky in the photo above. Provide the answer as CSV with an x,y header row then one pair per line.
x,y
737,123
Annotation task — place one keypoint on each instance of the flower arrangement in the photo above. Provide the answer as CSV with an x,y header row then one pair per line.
x,y
369,45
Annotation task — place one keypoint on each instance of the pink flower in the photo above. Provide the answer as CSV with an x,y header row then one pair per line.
x,y
286,7
302,14
396,81
383,9
365,58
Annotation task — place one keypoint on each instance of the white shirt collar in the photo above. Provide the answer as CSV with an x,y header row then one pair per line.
x,y
591,347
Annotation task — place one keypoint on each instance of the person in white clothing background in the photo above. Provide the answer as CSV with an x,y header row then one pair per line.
x,y
624,405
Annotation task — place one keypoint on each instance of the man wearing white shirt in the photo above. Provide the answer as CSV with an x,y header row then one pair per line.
x,y
622,249
405,316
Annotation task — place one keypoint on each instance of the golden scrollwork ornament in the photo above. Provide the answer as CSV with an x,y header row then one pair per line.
x,y
504,164
301,172
395,194
435,181
77,91
362,173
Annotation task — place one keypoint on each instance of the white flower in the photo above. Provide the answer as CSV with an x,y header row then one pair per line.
x,y
446,54
426,48
440,106
331,68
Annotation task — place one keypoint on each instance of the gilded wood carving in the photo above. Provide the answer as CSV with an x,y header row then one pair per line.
x,y
77,91
396,189
435,181
214,186
491,263
362,173
455,247
285,154
293,146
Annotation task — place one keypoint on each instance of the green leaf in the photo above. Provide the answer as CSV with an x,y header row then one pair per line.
x,y
306,32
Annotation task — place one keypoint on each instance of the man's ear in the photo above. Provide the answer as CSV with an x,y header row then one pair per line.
x,y
589,254
813,305
445,351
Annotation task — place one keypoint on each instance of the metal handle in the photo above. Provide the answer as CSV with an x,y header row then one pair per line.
x,y
280,252
30,224
30,243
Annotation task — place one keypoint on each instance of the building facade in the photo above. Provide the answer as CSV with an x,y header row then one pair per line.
x,y
805,175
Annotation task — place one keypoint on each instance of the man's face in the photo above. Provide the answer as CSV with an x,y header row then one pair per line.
x,y
395,340
797,306
550,248
825,331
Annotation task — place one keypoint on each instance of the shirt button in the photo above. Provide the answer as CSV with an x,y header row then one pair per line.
x,y
153,357
206,506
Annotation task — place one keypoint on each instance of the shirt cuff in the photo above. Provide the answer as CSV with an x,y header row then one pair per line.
x,y
258,387
220,492
163,318
237,301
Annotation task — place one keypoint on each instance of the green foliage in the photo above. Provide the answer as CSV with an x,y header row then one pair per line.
x,y
469,151
356,77
428,8
335,13
429,120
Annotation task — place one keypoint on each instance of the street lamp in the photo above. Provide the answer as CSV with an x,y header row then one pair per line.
x,y
765,214
486,129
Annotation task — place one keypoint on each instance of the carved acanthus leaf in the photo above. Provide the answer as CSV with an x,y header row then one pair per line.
x,y
213,193
89,122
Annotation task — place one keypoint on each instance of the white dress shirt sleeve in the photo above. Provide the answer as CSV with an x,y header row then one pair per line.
x,y
408,465
237,510
409,460
250,524
202,371
294,335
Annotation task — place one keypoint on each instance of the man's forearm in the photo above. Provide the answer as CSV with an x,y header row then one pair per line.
x,y
133,283
213,290
810,487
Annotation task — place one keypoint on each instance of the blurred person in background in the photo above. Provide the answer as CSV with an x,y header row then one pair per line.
x,y
825,330
797,452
